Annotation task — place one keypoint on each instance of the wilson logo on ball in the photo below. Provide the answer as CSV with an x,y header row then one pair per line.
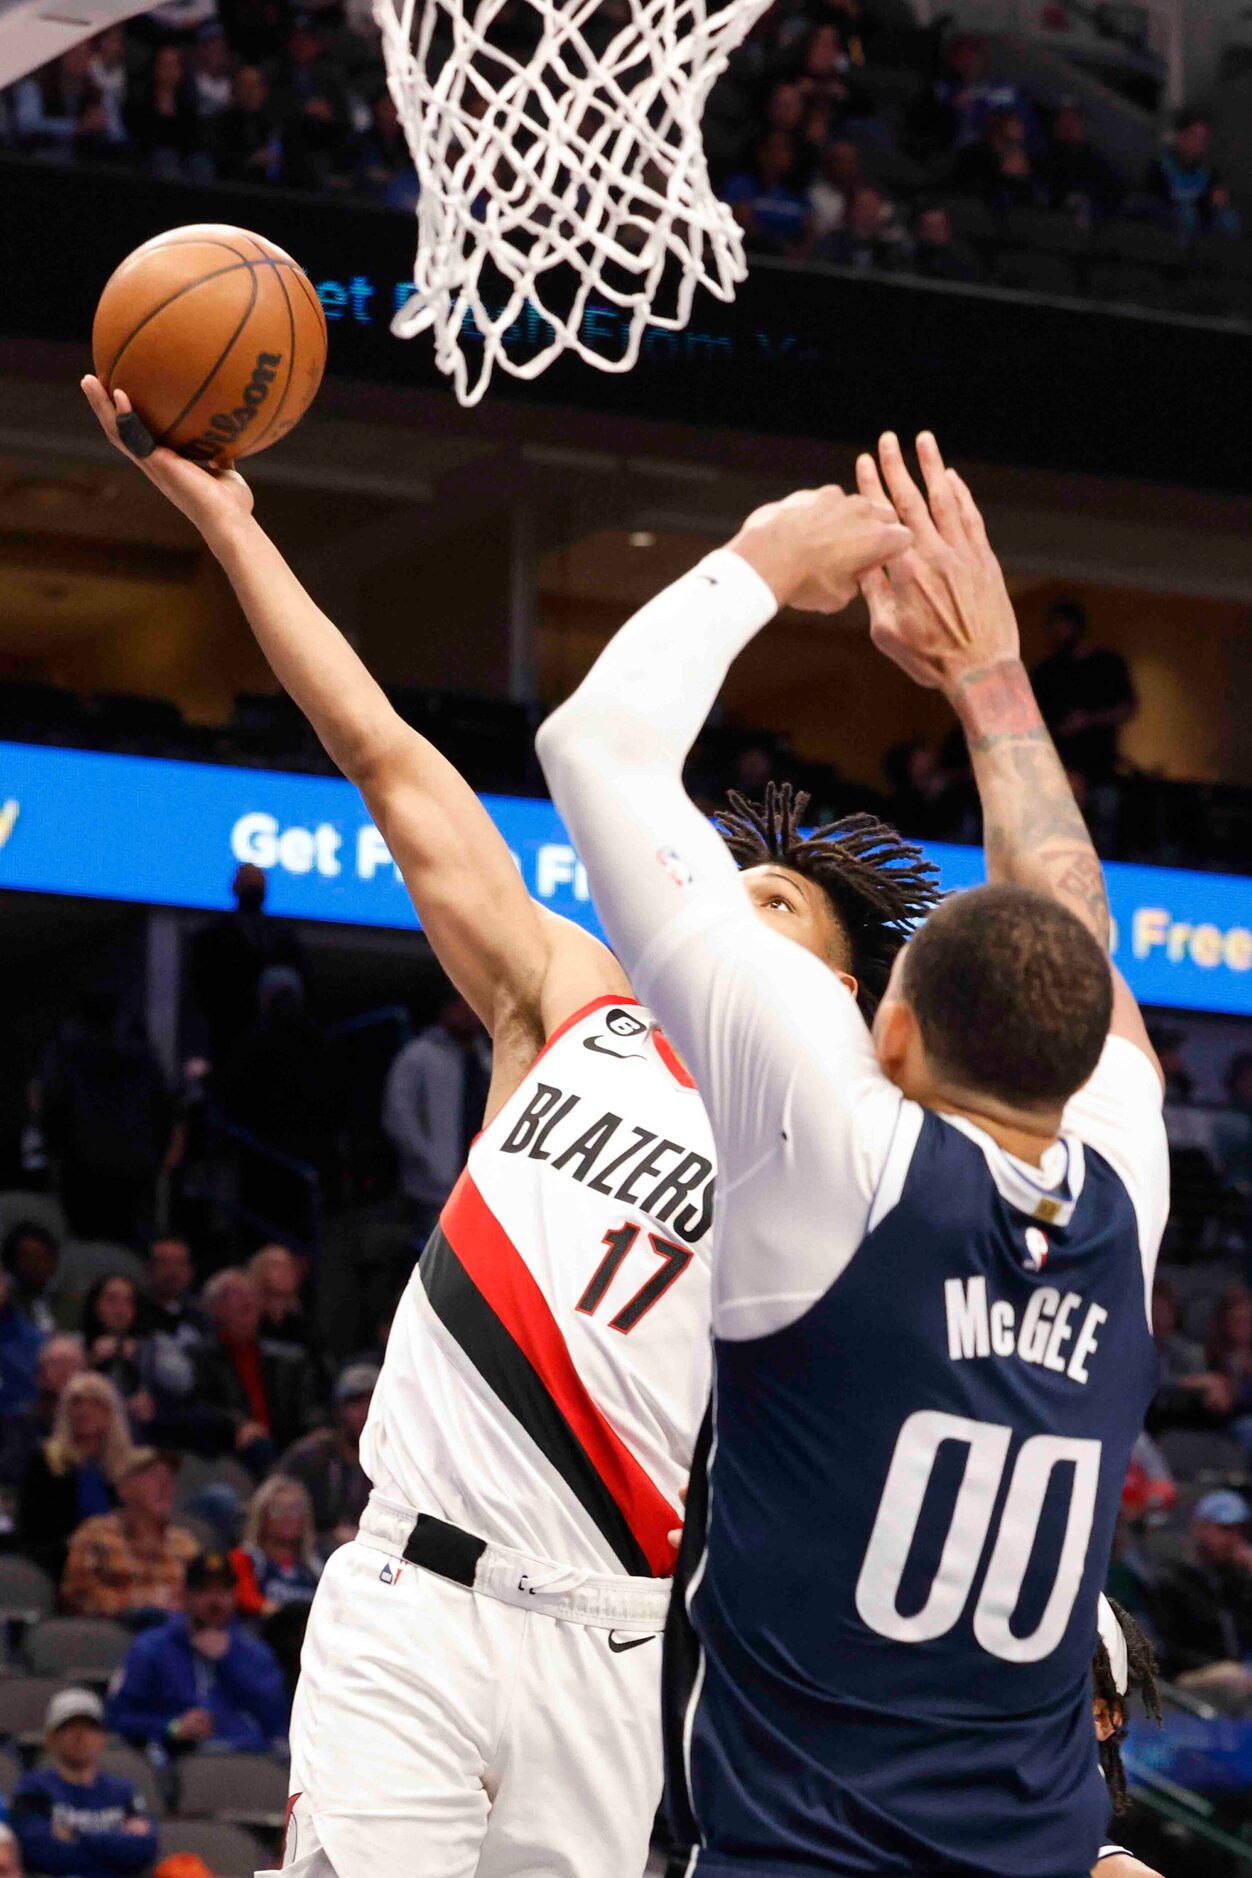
x,y
228,426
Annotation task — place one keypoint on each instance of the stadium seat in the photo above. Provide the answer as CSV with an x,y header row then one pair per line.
x,y
131,1765
76,1648
1046,230
10,1773
24,1702
1192,1452
227,1850
82,1262
1126,286
44,1209
246,1788
1145,244
198,1471
973,221
1029,272
26,1591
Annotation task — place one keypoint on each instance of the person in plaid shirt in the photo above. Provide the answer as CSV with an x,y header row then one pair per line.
x,y
134,1559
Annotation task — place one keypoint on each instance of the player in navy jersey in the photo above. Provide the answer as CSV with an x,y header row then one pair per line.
x,y
933,1254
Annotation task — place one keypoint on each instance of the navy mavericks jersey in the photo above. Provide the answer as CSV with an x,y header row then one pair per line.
x,y
879,1655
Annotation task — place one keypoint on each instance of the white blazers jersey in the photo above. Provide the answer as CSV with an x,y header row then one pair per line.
x,y
549,1362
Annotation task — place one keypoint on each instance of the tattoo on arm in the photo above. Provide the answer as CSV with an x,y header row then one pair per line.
x,y
1035,833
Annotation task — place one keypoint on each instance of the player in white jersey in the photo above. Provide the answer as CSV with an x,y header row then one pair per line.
x,y
549,1364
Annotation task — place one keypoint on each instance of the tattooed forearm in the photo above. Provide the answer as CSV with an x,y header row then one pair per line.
x,y
1035,833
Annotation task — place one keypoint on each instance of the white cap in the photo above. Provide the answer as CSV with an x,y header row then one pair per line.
x,y
69,1705
1113,1638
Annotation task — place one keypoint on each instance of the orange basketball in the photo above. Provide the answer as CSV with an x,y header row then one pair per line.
x,y
216,337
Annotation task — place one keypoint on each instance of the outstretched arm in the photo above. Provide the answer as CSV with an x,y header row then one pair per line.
x,y
523,969
943,613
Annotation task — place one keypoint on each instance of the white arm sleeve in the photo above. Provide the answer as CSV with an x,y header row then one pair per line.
x,y
1119,1114
802,1116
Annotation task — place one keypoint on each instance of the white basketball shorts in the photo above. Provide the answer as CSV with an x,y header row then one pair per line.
x,y
506,1727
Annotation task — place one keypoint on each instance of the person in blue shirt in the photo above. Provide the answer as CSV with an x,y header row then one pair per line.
x,y
201,1677
20,1344
766,202
68,1816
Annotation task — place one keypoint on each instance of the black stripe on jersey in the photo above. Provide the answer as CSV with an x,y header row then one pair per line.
x,y
682,1649
509,1373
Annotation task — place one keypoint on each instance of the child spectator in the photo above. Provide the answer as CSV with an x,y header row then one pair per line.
x,y
69,1817
277,1562
73,1475
133,1562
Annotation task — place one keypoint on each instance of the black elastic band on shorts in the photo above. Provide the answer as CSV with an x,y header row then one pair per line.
x,y
445,1549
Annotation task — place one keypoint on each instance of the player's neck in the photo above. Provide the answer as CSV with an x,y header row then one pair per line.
x,y
1026,1139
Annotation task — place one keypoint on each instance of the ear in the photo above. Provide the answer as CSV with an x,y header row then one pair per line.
x,y
895,1029
846,978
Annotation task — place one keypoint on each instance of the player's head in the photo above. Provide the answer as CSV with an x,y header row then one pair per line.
x,y
849,892
1000,1004
1124,1665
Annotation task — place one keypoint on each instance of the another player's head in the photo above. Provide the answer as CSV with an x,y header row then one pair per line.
x,y
849,892
1124,1665
999,1005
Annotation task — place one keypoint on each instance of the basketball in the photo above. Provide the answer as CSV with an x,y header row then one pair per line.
x,y
216,337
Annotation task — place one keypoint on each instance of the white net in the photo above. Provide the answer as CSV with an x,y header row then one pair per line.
x,y
565,203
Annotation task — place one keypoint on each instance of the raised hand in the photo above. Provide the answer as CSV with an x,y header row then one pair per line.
x,y
940,610
814,547
209,498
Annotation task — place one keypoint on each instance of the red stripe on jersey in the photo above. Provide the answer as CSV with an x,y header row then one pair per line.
x,y
672,1061
597,1004
504,1279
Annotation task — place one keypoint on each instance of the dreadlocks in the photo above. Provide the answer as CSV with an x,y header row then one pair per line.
x,y
878,884
1140,1681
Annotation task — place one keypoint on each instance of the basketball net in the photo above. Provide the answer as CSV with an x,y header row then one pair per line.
x,y
563,184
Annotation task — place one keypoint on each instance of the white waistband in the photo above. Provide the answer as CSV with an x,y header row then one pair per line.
x,y
532,1583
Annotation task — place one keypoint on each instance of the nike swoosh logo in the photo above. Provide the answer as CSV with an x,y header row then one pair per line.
x,y
623,1056
626,1643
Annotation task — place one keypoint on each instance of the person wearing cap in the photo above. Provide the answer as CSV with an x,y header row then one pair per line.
x,y
327,1463
1202,1608
134,1560
68,1816
201,1677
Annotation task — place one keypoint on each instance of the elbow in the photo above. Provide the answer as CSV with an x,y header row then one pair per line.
x,y
566,747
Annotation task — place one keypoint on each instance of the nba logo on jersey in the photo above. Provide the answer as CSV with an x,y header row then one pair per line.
x,y
1036,1249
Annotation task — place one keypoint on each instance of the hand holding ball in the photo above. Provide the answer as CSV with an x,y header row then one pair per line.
x,y
217,337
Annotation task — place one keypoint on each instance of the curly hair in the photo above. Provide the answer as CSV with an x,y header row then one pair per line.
x,y
878,884
1141,1681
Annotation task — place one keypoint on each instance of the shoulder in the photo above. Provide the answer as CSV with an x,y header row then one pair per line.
x,y
34,1785
182,1542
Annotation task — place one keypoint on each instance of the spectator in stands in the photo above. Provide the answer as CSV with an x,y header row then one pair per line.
x,y
1085,694
59,111
109,1121
1189,191
1203,1606
327,1462
30,1256
279,1277
10,1854
767,201
382,150
1076,178
433,1104
201,1677
276,1563
73,1475
1228,1351
871,235
163,121
998,167
840,177
170,1309
1232,1133
312,104
1192,1393
212,74
20,1344
230,953
1170,1046
258,1395
61,1357
956,112
826,73
110,1327
247,147
918,790
279,1082
131,1563
937,255
71,1818
108,68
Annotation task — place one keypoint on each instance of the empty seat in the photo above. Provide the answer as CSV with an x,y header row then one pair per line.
x,y
26,1591
24,1703
228,1851
1144,243
74,1647
40,1209
1047,230
131,1765
1126,286
1028,272
249,1788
